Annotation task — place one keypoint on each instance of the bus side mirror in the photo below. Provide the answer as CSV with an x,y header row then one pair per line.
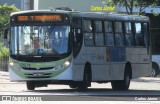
x,y
5,33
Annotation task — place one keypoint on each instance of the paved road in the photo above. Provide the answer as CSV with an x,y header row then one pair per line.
x,y
140,90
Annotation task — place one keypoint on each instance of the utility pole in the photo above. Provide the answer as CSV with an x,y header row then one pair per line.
x,y
27,5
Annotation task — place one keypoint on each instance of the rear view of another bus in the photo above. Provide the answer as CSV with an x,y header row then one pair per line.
x,y
155,30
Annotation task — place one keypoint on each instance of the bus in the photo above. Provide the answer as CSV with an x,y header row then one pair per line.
x,y
77,48
153,14
155,30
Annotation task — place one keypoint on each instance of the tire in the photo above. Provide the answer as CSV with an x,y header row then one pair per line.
x,y
73,85
122,84
30,85
154,71
86,80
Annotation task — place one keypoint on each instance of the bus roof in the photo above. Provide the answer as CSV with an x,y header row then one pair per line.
x,y
94,15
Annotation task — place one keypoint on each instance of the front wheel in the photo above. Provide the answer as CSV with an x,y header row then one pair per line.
x,y
30,85
122,84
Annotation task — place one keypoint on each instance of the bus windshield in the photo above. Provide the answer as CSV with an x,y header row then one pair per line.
x,y
39,40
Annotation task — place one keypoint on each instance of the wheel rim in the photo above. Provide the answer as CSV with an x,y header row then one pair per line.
x,y
153,73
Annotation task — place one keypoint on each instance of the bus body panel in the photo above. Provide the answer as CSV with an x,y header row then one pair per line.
x,y
108,68
140,61
66,75
90,54
58,72
78,71
105,65
139,70
117,71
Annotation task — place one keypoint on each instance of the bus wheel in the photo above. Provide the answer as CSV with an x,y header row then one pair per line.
x,y
86,80
73,85
30,85
122,84
154,71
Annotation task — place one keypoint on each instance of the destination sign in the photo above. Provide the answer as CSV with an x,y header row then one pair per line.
x,y
40,18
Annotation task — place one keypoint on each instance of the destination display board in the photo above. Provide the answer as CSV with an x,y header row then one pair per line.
x,y
40,18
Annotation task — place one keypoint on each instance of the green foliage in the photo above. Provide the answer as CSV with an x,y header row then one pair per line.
x,y
154,13
130,4
4,52
5,11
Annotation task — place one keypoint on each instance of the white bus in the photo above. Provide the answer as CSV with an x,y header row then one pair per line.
x,y
77,48
155,38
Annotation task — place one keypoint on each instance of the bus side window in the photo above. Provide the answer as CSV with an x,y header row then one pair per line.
x,y
139,35
129,38
119,37
99,39
145,31
88,34
109,37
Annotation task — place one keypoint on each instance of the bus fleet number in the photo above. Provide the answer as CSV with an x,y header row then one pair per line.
x,y
25,65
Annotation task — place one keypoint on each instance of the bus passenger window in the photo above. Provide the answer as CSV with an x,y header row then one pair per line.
x,y
88,38
88,34
129,38
99,40
108,26
109,38
128,28
98,26
139,34
145,31
119,37
87,26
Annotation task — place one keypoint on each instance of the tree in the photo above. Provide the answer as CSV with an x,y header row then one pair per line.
x,y
5,11
142,4
129,5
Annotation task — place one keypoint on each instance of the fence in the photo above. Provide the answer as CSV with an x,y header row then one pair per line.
x,y
4,56
4,63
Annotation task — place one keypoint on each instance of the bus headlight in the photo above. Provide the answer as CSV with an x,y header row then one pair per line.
x,y
11,64
63,66
14,66
67,63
